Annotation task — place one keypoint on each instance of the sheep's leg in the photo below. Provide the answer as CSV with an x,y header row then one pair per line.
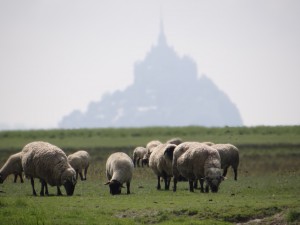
x,y
225,171
58,191
196,184
43,187
128,187
134,162
76,174
235,173
21,178
138,162
201,185
80,174
166,183
32,185
191,183
85,172
175,184
15,179
158,183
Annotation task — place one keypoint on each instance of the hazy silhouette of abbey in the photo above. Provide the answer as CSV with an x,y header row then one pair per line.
x,y
166,92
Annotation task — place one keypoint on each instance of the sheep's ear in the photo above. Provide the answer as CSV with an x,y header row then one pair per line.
x,y
108,182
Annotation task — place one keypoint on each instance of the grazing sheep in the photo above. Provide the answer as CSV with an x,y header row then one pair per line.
x,y
13,165
50,164
203,163
139,154
119,169
179,150
229,157
175,141
161,163
80,160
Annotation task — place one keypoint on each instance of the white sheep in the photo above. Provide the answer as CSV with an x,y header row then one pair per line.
x,y
13,165
139,154
150,146
229,157
203,163
178,151
80,160
119,170
50,164
160,162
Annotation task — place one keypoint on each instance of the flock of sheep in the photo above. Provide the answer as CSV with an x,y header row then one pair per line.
x,y
190,161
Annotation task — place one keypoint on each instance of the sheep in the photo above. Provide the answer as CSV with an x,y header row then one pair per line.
x,y
80,161
176,141
139,154
202,162
179,150
150,146
13,165
229,157
160,162
119,169
50,164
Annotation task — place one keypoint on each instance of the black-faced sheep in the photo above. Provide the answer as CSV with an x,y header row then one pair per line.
x,y
139,154
13,165
50,164
161,163
119,169
229,157
80,161
203,163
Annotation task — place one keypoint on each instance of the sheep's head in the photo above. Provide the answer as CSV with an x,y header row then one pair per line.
x,y
115,187
169,151
69,180
213,178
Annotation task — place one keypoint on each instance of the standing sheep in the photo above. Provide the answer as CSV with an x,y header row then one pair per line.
x,y
179,150
119,169
139,154
229,157
80,160
203,163
161,163
13,165
50,164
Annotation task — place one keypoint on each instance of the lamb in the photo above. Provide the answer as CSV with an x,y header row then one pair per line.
x,y
229,157
80,161
139,154
160,162
13,165
119,169
50,164
203,163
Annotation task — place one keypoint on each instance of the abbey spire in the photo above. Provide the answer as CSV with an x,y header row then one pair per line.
x,y
162,41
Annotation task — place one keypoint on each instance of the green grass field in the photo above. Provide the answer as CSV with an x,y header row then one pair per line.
x,y
267,190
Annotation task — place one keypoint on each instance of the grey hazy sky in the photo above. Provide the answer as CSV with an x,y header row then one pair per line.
x,y
59,55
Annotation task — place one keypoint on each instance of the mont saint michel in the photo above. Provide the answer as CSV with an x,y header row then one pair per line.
x,y
166,91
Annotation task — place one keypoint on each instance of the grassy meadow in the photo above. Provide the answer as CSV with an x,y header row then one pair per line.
x,y
267,190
